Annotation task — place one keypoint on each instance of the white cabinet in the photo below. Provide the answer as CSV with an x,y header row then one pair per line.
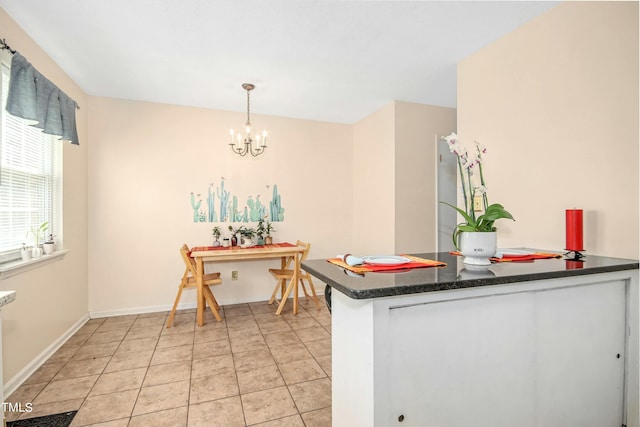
x,y
543,359
544,353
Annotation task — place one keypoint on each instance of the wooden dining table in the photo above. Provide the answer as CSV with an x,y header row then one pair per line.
x,y
284,251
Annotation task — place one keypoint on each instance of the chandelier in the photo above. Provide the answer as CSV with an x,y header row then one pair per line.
x,y
245,143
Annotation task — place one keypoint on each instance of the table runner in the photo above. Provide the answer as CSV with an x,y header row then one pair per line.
x,y
416,262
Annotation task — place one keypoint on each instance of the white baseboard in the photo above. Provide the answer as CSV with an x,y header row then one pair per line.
x,y
15,382
137,310
167,307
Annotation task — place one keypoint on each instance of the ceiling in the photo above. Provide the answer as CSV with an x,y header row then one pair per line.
x,y
335,61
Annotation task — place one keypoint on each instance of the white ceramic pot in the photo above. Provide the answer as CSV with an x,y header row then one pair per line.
x,y
36,252
49,248
25,254
478,247
247,242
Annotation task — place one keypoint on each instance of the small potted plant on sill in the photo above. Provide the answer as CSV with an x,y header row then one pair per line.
x,y
25,252
216,234
49,245
268,229
38,236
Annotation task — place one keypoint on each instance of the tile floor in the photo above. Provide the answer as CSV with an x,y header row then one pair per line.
x,y
251,369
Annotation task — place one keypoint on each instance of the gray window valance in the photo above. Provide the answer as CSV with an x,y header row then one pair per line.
x,y
32,96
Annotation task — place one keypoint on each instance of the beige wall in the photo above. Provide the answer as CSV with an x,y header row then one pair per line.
x,y
144,161
416,127
394,178
52,298
373,178
556,103
338,184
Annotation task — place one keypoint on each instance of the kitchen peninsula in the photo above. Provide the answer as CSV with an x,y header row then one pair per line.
x,y
545,343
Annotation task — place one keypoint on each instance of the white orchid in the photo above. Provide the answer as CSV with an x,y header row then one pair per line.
x,y
467,167
451,139
454,145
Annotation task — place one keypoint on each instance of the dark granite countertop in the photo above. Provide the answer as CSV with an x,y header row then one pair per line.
x,y
455,275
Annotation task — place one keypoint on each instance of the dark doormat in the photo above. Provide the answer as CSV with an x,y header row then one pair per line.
x,y
55,420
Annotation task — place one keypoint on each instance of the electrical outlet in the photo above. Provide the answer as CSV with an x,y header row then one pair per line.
x,y
477,204
234,275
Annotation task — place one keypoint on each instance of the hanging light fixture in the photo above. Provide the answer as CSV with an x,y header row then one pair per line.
x,y
244,143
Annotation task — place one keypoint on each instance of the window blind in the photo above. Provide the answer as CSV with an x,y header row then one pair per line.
x,y
28,178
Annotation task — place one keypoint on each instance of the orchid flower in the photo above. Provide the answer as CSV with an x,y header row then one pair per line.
x,y
452,141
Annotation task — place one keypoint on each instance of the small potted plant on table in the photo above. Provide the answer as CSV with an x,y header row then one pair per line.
x,y
260,230
268,229
234,237
246,236
216,234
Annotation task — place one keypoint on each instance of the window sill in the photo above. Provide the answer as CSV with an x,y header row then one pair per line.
x,y
14,268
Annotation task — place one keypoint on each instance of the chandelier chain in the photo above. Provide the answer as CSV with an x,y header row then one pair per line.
x,y
248,108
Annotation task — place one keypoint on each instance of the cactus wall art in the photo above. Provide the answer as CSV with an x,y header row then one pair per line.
x,y
229,209
210,203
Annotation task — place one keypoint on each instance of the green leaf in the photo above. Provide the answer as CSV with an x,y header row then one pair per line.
x,y
463,213
494,212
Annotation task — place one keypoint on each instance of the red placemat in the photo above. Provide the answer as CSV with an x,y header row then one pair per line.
x,y
228,248
367,268
510,258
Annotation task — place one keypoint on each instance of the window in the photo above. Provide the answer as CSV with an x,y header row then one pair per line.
x,y
29,178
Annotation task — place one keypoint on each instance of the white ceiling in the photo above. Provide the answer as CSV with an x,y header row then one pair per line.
x,y
334,61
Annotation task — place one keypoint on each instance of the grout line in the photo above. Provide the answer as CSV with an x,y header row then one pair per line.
x,y
105,367
133,407
193,347
235,371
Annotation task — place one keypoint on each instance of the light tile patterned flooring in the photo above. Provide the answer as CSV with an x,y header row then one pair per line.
x,y
251,369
